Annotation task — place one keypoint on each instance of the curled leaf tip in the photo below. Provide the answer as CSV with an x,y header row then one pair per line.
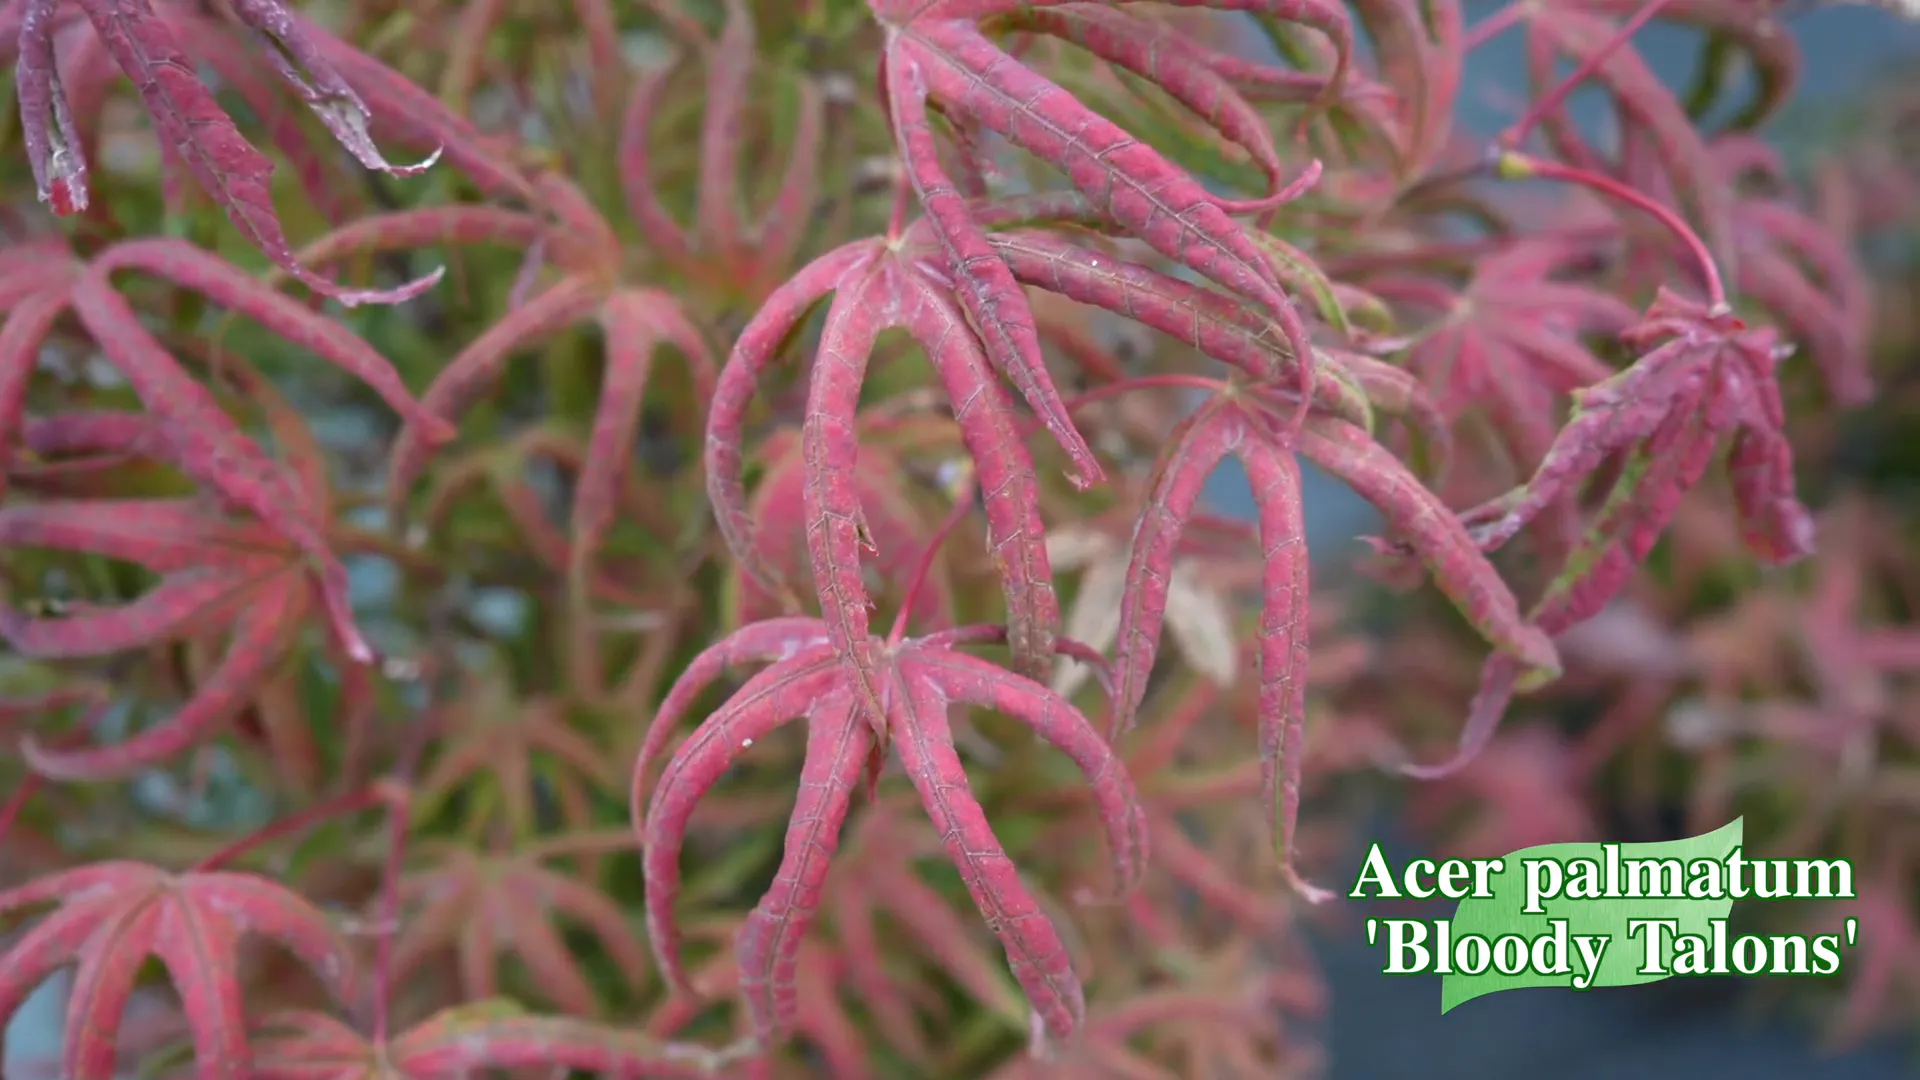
x,y
1085,479
1306,890
349,126
359,297
47,763
1438,771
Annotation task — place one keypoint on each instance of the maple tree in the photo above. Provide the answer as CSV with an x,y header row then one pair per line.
x,y
695,337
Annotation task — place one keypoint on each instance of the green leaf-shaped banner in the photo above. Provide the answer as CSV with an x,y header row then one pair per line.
x,y
1595,895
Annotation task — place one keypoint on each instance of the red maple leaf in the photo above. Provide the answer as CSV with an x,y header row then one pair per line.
x,y
112,916
1511,340
190,430
498,752
195,133
635,320
509,471
1800,271
1248,421
1704,375
899,697
49,280
721,251
484,904
219,573
937,54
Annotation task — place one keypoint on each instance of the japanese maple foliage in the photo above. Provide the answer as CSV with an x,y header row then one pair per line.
x,y
444,631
